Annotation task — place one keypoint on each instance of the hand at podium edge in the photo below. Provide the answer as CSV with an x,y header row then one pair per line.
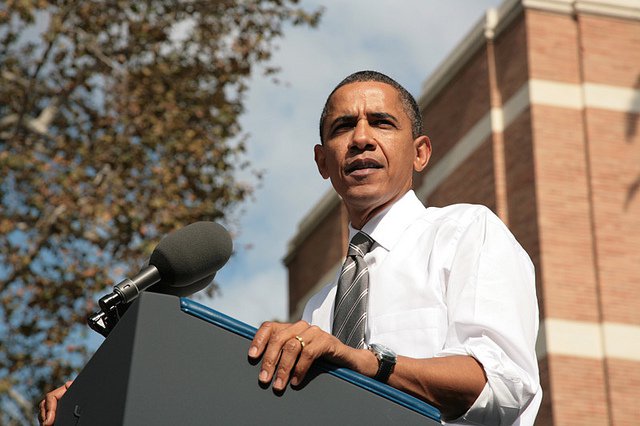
x,y
450,383
49,404
288,350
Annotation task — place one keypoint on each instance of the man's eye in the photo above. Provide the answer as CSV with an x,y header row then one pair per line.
x,y
341,127
385,124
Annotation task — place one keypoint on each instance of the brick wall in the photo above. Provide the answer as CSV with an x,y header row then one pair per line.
x,y
459,107
611,50
511,53
578,396
615,172
624,380
552,48
549,108
324,246
472,182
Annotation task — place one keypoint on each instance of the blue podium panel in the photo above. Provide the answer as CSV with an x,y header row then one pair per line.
x,y
175,362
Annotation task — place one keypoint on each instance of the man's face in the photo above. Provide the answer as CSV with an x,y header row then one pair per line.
x,y
369,152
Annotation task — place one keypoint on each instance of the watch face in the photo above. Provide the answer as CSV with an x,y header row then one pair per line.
x,y
384,352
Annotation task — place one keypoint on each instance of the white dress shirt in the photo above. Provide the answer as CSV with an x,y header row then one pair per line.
x,y
452,281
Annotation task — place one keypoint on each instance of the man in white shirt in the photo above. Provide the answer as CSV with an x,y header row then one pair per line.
x,y
451,292
452,314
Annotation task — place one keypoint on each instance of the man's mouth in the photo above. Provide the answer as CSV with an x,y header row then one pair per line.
x,y
361,165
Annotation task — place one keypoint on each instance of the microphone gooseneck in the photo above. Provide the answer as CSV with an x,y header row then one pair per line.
x,y
184,262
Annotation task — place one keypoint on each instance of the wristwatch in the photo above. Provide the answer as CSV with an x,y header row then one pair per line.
x,y
386,361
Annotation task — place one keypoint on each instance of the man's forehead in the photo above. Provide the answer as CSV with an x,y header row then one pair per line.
x,y
372,96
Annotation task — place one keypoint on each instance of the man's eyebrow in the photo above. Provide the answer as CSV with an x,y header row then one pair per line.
x,y
382,115
347,118
343,118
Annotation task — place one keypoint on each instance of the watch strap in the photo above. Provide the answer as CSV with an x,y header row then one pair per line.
x,y
386,361
384,370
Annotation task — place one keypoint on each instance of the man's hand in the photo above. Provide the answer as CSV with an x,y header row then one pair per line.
x,y
49,404
288,350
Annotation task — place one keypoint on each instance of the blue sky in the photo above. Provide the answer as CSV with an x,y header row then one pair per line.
x,y
404,39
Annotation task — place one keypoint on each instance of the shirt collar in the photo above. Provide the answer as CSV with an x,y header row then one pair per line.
x,y
387,226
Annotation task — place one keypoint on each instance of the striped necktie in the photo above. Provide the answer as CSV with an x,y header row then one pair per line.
x,y
350,310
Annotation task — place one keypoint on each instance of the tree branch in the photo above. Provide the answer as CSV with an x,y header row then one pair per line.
x,y
45,222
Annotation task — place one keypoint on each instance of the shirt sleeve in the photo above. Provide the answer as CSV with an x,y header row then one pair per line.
x,y
493,317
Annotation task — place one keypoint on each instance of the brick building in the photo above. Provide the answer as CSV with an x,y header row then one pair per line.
x,y
536,114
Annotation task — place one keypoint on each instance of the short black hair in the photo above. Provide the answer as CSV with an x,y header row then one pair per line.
x,y
408,102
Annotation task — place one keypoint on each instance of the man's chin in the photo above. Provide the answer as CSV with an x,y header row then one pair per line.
x,y
362,196
370,196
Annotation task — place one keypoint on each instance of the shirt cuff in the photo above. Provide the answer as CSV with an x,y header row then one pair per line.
x,y
508,391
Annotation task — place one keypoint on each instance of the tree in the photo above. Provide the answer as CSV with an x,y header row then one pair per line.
x,y
118,124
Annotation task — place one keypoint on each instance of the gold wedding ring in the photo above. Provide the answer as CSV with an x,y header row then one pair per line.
x,y
299,339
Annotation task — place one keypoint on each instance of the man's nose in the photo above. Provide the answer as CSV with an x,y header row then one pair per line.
x,y
362,136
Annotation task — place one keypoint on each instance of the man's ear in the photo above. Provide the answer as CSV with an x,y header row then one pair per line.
x,y
422,146
319,156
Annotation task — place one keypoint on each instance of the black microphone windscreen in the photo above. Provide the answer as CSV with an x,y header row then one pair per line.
x,y
185,291
191,254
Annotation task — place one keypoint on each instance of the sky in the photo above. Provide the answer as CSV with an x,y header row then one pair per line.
x,y
404,39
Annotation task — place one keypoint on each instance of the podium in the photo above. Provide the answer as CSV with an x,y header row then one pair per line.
x,y
173,361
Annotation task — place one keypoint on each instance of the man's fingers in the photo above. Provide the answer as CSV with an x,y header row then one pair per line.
x,y
305,358
317,344
49,404
279,336
261,339
271,356
42,415
288,358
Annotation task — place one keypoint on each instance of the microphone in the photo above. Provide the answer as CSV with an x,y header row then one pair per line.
x,y
182,258
184,262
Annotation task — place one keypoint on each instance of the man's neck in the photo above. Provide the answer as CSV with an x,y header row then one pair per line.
x,y
359,218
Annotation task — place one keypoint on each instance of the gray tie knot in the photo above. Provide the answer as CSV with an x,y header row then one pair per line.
x,y
360,244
